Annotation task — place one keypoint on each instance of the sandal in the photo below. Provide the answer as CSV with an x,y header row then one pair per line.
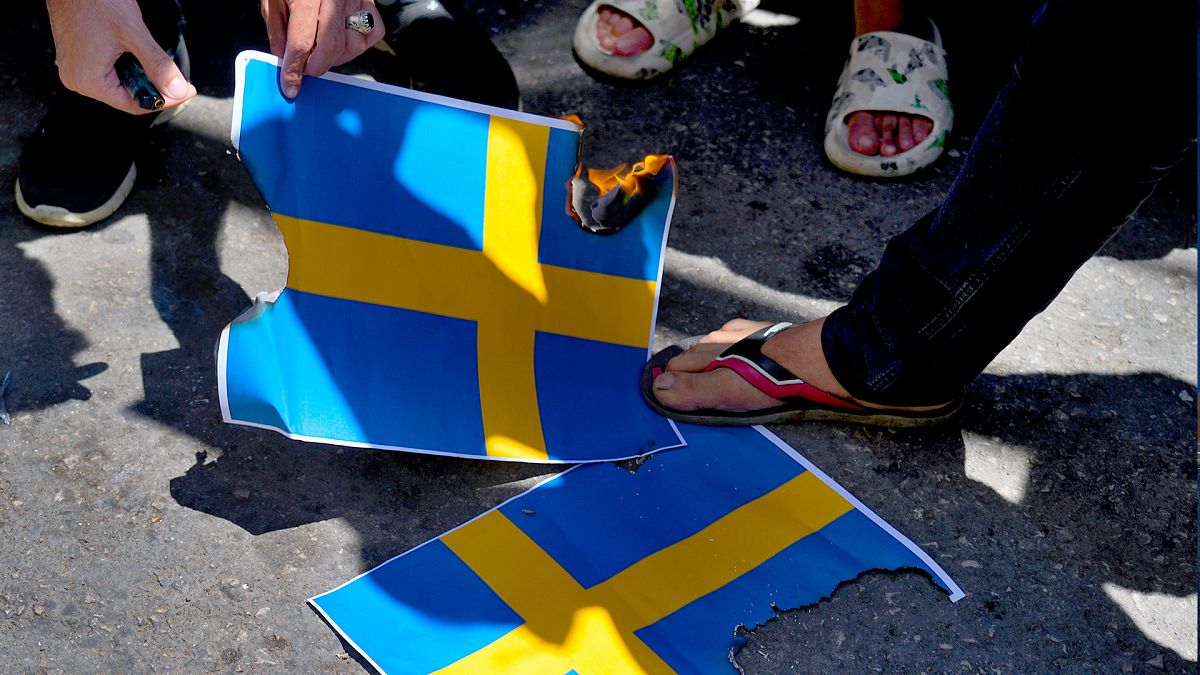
x,y
678,28
799,401
891,72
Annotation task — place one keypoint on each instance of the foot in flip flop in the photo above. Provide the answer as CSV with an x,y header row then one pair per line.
x,y
736,376
891,113
620,34
885,134
641,39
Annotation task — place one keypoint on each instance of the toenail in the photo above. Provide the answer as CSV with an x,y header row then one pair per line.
x,y
664,381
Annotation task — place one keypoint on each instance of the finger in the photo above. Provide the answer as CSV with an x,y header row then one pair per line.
x,y
904,134
331,37
274,14
113,93
159,66
922,126
99,82
357,43
301,38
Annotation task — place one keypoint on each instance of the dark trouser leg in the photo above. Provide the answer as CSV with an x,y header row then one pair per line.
x,y
1100,107
164,18
445,52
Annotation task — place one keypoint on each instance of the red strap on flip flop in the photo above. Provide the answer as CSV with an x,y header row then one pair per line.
x,y
745,358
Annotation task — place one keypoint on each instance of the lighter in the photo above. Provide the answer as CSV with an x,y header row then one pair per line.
x,y
135,81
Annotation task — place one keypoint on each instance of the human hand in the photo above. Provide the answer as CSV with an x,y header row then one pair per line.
x,y
310,36
89,36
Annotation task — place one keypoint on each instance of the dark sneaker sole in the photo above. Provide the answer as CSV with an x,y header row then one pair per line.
x,y
57,216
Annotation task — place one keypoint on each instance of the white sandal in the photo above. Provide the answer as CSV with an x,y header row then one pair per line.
x,y
679,27
891,72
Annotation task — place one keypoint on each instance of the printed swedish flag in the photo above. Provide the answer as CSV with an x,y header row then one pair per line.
x,y
601,570
439,298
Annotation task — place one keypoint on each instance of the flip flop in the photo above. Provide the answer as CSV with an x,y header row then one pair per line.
x,y
679,27
891,72
799,401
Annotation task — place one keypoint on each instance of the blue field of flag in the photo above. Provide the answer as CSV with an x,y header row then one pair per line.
x,y
606,570
440,297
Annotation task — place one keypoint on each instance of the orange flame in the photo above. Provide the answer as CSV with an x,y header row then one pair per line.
x,y
630,181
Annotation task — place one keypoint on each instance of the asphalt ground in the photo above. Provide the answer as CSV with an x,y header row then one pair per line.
x,y
138,533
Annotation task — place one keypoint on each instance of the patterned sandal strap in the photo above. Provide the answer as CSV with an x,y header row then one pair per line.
x,y
745,358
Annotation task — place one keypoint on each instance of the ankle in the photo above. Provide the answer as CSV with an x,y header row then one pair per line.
x,y
871,16
799,350
876,15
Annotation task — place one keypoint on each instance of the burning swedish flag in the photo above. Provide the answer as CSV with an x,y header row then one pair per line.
x,y
441,297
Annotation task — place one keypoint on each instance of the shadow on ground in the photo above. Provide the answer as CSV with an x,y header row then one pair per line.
x,y
1110,496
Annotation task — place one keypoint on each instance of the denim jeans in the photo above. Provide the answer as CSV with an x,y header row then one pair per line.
x,y
1100,106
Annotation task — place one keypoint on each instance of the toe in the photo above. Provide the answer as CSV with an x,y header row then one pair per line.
x,y
734,330
904,133
744,325
620,34
634,42
887,135
696,358
863,137
922,127
604,19
718,390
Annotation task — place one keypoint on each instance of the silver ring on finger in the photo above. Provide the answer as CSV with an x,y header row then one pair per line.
x,y
361,22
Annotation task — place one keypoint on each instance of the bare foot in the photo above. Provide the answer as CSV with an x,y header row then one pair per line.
x,y
684,387
886,134
620,34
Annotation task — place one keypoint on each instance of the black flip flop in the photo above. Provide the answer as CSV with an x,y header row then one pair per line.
x,y
799,401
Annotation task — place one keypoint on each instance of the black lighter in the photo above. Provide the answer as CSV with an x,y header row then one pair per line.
x,y
135,81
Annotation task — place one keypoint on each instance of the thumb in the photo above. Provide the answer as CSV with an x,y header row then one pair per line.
x,y
159,67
